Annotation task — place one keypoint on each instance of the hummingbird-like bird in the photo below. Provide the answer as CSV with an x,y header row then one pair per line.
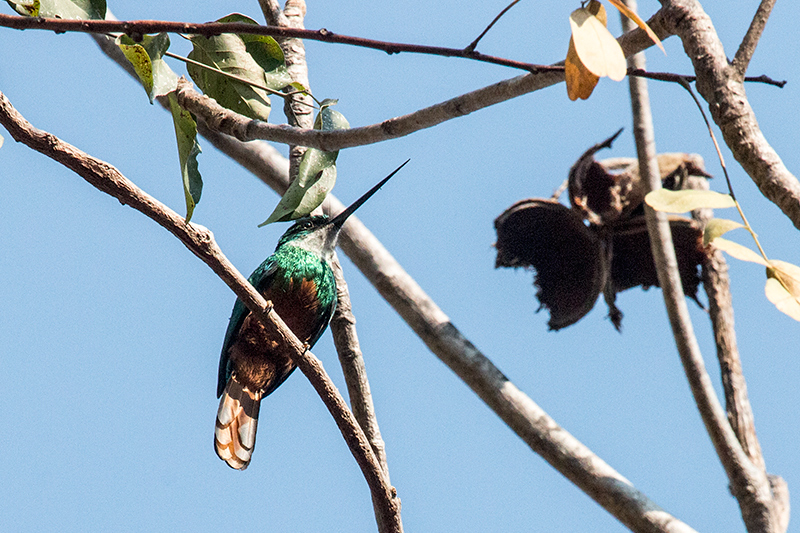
x,y
299,282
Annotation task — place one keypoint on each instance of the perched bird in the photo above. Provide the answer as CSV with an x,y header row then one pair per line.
x,y
299,282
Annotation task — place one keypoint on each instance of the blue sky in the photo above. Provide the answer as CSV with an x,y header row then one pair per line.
x,y
111,329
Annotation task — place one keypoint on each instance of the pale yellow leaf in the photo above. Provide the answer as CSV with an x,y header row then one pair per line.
x,y
717,227
625,10
738,251
788,274
782,299
598,50
687,200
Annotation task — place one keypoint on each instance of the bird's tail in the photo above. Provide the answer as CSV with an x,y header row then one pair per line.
x,y
237,419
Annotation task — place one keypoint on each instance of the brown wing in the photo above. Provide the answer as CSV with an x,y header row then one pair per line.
x,y
552,239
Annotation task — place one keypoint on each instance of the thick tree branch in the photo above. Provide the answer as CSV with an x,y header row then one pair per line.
x,y
720,85
200,241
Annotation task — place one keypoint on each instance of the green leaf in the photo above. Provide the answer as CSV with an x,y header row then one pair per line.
x,y
717,227
26,10
147,60
738,251
63,9
256,58
186,135
73,9
316,175
783,287
687,200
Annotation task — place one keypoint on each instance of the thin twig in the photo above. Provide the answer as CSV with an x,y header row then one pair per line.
x,y
140,27
471,46
200,241
226,74
747,225
676,78
748,47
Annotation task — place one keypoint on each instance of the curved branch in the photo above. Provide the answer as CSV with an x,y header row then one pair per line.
x,y
720,85
570,457
245,129
200,241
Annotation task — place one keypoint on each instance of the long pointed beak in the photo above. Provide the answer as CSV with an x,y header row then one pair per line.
x,y
339,220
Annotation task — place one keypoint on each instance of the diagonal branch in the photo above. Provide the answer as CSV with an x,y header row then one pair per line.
x,y
534,426
245,129
200,241
748,47
570,457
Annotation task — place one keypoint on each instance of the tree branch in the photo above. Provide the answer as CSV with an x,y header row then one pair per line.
x,y
720,85
748,483
748,47
298,107
676,78
534,426
200,241
720,307
343,329
137,28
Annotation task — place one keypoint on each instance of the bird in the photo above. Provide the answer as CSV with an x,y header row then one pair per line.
x,y
297,278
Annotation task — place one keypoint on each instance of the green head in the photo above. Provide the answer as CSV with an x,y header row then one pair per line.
x,y
318,234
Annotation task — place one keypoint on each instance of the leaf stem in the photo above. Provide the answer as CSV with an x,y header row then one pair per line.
x,y
237,78
685,84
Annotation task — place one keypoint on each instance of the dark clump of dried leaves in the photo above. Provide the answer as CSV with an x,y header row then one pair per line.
x,y
600,243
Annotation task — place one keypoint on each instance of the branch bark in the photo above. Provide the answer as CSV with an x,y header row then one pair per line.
x,y
200,241
721,86
748,47
343,329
